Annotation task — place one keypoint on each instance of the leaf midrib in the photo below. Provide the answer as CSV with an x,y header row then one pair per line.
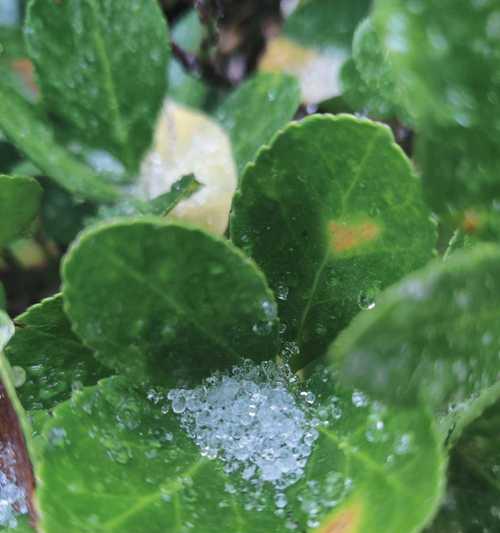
x,y
118,125
134,274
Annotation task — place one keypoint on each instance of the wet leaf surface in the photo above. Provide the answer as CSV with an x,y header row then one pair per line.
x,y
113,461
183,301
48,358
333,213
95,80
432,336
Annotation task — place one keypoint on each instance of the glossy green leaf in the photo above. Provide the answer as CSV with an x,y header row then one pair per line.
x,y
368,455
183,302
19,203
50,356
472,501
114,462
108,88
23,127
255,111
322,24
434,335
332,212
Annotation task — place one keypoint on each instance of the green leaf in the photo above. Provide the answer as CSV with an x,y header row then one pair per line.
x,y
434,335
23,127
377,75
370,454
445,57
326,24
101,65
114,462
242,115
109,466
459,168
180,190
50,356
19,203
471,504
360,96
11,43
63,215
184,302
332,212
162,205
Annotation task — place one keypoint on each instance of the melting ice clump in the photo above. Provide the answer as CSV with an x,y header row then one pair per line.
x,y
251,419
12,497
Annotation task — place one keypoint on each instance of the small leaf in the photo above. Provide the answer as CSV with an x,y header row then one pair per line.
x,y
110,444
23,127
434,335
19,203
108,88
183,301
255,111
332,212
162,205
189,142
50,356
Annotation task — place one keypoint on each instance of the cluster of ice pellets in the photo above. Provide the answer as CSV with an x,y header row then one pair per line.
x,y
251,421
12,497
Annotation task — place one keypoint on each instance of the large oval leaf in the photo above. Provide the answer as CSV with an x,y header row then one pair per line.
x,y
107,88
50,356
332,212
114,462
19,202
436,334
157,299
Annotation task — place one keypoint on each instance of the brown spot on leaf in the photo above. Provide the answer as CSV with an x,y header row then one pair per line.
x,y
24,69
347,237
471,221
346,520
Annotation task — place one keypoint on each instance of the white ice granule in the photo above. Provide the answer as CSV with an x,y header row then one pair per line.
x,y
12,497
250,420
